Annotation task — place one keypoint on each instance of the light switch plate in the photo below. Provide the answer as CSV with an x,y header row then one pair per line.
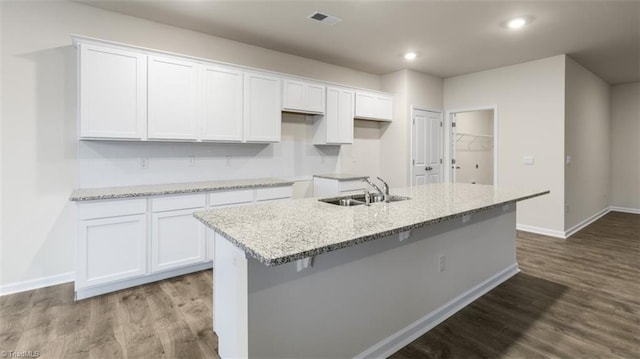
x,y
528,160
568,160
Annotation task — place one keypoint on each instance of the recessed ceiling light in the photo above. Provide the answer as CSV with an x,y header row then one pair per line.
x,y
410,55
517,23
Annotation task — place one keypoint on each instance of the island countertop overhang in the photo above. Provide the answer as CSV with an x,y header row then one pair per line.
x,y
285,231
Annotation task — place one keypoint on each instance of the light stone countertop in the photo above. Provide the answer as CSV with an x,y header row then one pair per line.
x,y
284,231
341,176
93,194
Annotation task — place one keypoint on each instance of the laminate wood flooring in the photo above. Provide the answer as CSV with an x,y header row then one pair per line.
x,y
167,319
574,298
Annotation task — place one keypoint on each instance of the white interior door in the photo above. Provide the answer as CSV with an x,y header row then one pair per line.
x,y
427,147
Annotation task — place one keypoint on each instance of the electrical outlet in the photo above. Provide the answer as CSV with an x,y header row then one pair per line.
x,y
442,263
144,162
191,161
227,161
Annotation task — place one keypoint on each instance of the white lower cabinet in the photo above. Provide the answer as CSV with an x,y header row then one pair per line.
x,y
111,249
128,242
112,244
177,238
325,187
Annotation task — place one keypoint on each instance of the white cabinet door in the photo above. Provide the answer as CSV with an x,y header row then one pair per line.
x,y
262,117
337,125
293,95
113,93
177,240
305,97
365,104
224,199
315,98
221,104
374,106
173,99
384,108
111,249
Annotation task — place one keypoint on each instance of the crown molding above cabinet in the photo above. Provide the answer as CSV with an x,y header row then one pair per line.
x,y
137,94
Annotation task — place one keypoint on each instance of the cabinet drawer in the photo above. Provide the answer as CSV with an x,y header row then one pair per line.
x,y
230,197
103,209
172,203
265,194
352,186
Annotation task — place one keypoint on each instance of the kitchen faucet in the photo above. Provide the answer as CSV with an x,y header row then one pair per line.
x,y
384,194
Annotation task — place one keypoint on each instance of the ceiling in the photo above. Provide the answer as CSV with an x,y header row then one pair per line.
x,y
451,37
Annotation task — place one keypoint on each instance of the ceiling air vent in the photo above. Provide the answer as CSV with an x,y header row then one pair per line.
x,y
324,18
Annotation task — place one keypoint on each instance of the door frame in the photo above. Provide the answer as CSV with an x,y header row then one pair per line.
x,y
442,140
450,141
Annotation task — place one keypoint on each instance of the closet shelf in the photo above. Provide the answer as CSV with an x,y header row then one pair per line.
x,y
475,142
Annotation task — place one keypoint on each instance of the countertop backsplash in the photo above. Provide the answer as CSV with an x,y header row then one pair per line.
x,y
119,163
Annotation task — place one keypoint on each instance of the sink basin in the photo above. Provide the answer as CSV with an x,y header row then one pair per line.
x,y
344,202
358,200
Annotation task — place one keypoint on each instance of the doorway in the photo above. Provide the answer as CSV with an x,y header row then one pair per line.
x,y
426,146
473,149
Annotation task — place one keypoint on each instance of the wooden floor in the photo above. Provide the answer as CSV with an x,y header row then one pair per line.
x,y
574,298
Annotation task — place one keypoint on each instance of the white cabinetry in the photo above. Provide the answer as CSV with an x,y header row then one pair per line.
x,y
173,99
336,127
264,195
226,199
113,93
111,242
304,97
177,238
262,114
374,106
327,187
221,104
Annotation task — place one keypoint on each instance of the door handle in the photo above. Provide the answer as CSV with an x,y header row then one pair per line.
x,y
428,168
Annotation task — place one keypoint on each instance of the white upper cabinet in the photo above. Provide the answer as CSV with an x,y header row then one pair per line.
x,y
336,127
221,104
173,99
303,97
262,114
113,93
374,106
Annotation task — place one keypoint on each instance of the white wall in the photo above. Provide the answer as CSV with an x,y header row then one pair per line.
x,y
409,88
472,151
117,163
587,142
625,146
363,156
530,102
39,146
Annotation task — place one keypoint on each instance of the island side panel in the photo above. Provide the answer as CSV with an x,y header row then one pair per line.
x,y
354,298
230,298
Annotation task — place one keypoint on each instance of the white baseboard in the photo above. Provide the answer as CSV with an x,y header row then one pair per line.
x,y
540,230
625,209
82,293
403,337
32,284
571,231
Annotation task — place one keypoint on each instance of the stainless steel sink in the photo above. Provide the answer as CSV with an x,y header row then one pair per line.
x,y
350,201
343,202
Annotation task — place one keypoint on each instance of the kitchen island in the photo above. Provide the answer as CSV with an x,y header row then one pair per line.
x,y
305,278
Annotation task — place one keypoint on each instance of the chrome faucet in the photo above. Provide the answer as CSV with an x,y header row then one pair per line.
x,y
385,188
382,194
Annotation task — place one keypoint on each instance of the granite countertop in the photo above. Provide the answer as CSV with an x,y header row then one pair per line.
x,y
341,176
93,194
284,231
